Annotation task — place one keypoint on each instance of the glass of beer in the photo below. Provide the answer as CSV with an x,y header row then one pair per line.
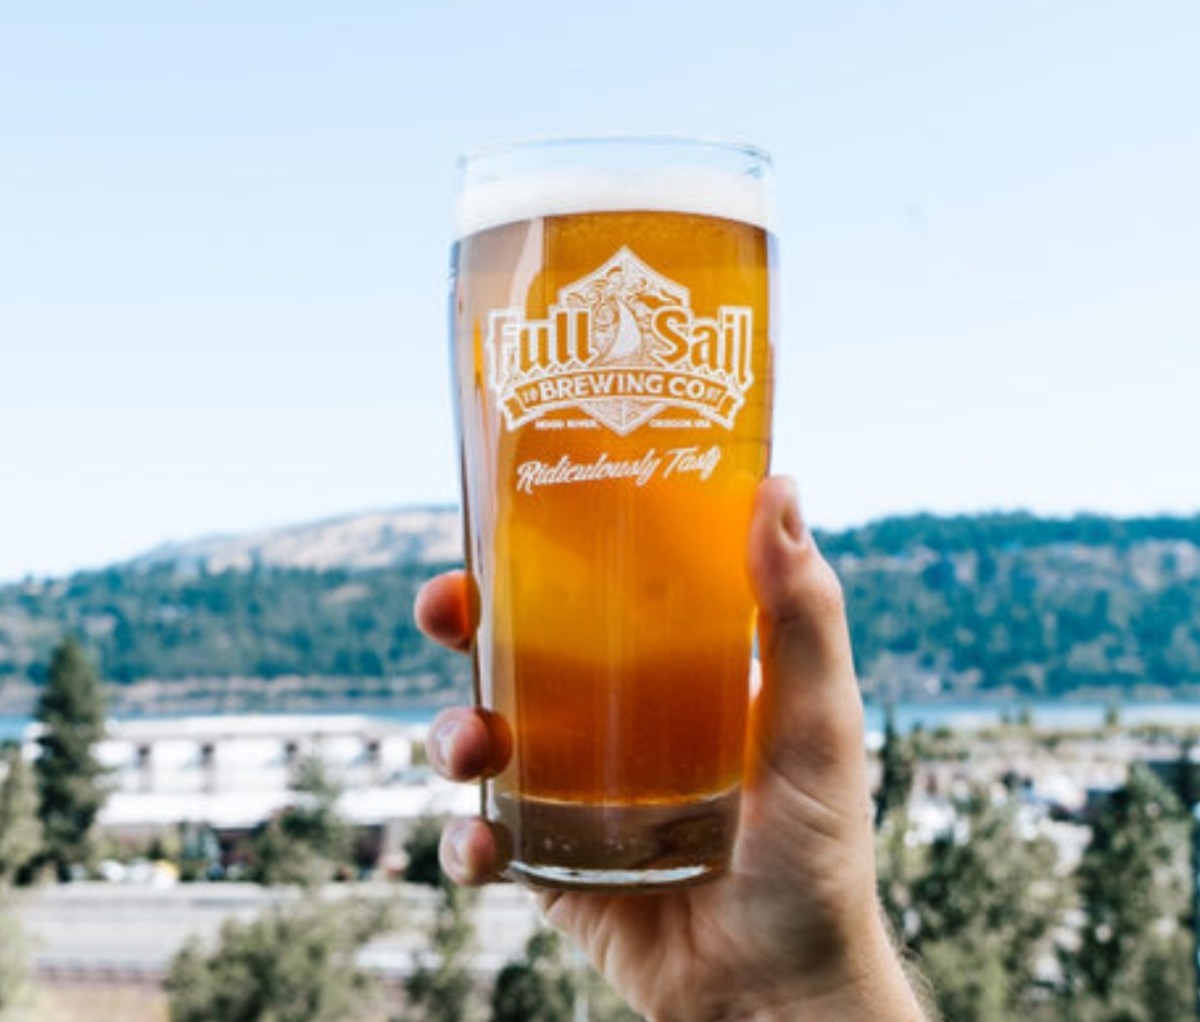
x,y
613,310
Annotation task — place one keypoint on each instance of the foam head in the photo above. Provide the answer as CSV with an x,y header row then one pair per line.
x,y
490,200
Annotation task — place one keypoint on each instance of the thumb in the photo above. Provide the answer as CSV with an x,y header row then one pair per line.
x,y
807,721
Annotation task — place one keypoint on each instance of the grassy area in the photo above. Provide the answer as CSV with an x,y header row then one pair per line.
x,y
124,1002
99,1002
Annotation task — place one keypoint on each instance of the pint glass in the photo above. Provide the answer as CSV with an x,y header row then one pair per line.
x,y
612,318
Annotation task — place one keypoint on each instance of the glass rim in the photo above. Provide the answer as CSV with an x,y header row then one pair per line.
x,y
552,142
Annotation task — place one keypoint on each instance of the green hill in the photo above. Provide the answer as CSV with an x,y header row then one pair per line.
x,y
1019,604
968,605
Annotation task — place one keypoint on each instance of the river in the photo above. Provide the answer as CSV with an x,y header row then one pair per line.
x,y
958,715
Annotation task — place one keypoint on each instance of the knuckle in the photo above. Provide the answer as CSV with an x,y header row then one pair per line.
x,y
824,591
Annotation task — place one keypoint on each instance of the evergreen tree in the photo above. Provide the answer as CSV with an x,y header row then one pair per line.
x,y
895,864
898,769
20,830
15,988
969,976
307,842
1187,776
1132,963
538,987
20,841
421,852
70,777
441,987
987,901
293,964
544,985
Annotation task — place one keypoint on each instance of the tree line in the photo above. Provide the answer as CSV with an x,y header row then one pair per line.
x,y
297,962
990,917
1017,605
1007,604
266,623
1001,931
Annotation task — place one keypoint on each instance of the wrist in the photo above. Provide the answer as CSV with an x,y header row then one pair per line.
x,y
868,985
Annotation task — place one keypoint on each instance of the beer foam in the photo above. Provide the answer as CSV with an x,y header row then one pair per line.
x,y
715,193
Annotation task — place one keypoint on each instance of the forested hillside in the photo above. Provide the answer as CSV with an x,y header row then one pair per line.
x,y
349,633
1021,604
964,605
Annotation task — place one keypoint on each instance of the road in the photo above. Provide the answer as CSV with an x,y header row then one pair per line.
x,y
131,932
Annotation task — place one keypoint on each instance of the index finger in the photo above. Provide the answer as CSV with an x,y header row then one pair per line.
x,y
443,610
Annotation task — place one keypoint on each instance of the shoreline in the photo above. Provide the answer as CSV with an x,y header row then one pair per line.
x,y
956,714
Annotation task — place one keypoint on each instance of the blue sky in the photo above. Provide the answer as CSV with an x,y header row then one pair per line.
x,y
224,232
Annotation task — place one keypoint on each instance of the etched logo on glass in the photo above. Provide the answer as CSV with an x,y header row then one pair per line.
x,y
621,345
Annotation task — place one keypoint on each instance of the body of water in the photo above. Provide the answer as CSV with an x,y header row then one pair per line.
x,y
1046,715
12,726
965,715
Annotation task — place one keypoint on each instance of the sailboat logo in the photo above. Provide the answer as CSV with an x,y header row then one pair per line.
x,y
621,345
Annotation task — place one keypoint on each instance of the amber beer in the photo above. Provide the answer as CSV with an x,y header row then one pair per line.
x,y
612,324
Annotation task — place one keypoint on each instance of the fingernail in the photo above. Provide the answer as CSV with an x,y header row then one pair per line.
x,y
792,523
443,742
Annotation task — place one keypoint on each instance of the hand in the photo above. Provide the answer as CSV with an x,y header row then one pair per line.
x,y
793,931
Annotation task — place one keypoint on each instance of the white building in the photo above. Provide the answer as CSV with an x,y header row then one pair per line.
x,y
232,773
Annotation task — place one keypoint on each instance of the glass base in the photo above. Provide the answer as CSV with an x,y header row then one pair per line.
x,y
609,848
